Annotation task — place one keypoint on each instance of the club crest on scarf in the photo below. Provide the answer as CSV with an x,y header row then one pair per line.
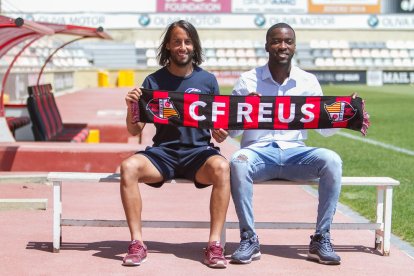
x,y
340,111
162,108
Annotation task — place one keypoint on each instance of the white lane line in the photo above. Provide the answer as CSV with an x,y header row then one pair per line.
x,y
376,143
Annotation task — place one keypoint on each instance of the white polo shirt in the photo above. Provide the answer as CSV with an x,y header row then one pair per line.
x,y
299,83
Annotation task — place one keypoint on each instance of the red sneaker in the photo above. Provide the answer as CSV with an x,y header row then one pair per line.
x,y
137,254
213,255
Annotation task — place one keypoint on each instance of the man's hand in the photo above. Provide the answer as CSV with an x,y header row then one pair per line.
x,y
133,96
219,134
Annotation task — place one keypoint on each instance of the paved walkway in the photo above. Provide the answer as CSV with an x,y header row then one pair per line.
x,y
26,236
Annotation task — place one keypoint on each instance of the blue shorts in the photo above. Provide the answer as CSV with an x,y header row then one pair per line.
x,y
179,163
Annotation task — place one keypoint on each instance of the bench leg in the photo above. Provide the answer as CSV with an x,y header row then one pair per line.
x,y
379,233
57,215
387,221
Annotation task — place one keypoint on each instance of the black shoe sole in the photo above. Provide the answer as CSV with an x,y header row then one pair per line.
x,y
255,257
316,258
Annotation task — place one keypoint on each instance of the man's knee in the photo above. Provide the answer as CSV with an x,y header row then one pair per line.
x,y
130,167
239,162
221,168
332,163
330,157
335,160
240,157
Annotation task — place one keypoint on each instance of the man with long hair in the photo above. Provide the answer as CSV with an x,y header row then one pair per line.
x,y
177,151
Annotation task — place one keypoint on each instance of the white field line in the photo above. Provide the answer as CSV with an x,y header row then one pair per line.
x,y
376,143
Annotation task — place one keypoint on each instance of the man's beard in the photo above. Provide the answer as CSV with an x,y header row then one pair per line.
x,y
181,63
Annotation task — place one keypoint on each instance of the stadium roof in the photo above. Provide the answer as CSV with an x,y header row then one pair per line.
x,y
15,31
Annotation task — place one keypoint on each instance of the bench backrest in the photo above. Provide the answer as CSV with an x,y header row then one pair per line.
x,y
44,113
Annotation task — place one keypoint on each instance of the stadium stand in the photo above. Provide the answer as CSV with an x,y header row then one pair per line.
x,y
312,55
221,54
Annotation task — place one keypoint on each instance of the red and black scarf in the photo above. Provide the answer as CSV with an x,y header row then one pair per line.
x,y
250,112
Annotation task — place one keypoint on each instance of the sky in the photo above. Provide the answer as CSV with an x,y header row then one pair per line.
x,y
76,5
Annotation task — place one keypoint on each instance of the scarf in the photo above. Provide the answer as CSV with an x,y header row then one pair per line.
x,y
250,112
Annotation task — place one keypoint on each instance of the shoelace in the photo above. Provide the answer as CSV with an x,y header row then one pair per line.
x,y
216,250
326,242
136,248
244,244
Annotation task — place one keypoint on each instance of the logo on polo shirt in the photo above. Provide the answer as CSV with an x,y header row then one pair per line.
x,y
192,90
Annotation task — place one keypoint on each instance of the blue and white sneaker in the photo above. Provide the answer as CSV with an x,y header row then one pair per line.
x,y
248,250
321,250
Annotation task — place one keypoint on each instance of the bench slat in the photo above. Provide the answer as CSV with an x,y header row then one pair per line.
x,y
382,226
23,178
115,177
206,224
23,204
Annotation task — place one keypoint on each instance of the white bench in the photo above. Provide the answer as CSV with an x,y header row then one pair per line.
x,y
382,226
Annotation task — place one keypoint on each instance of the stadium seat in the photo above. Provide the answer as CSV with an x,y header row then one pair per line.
x,y
375,53
368,62
336,53
359,62
356,53
230,53
261,61
320,62
208,43
232,62
220,53
150,53
387,62
240,53
346,53
329,62
327,53
378,62
210,52
212,62
406,62
252,62
222,62
242,62
260,52
403,53
365,53
250,52
339,62
350,62
152,62
317,53
384,53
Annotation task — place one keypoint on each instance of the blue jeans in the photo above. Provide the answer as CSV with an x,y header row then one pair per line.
x,y
255,164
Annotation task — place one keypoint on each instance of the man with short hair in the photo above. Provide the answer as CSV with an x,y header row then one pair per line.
x,y
177,151
282,154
